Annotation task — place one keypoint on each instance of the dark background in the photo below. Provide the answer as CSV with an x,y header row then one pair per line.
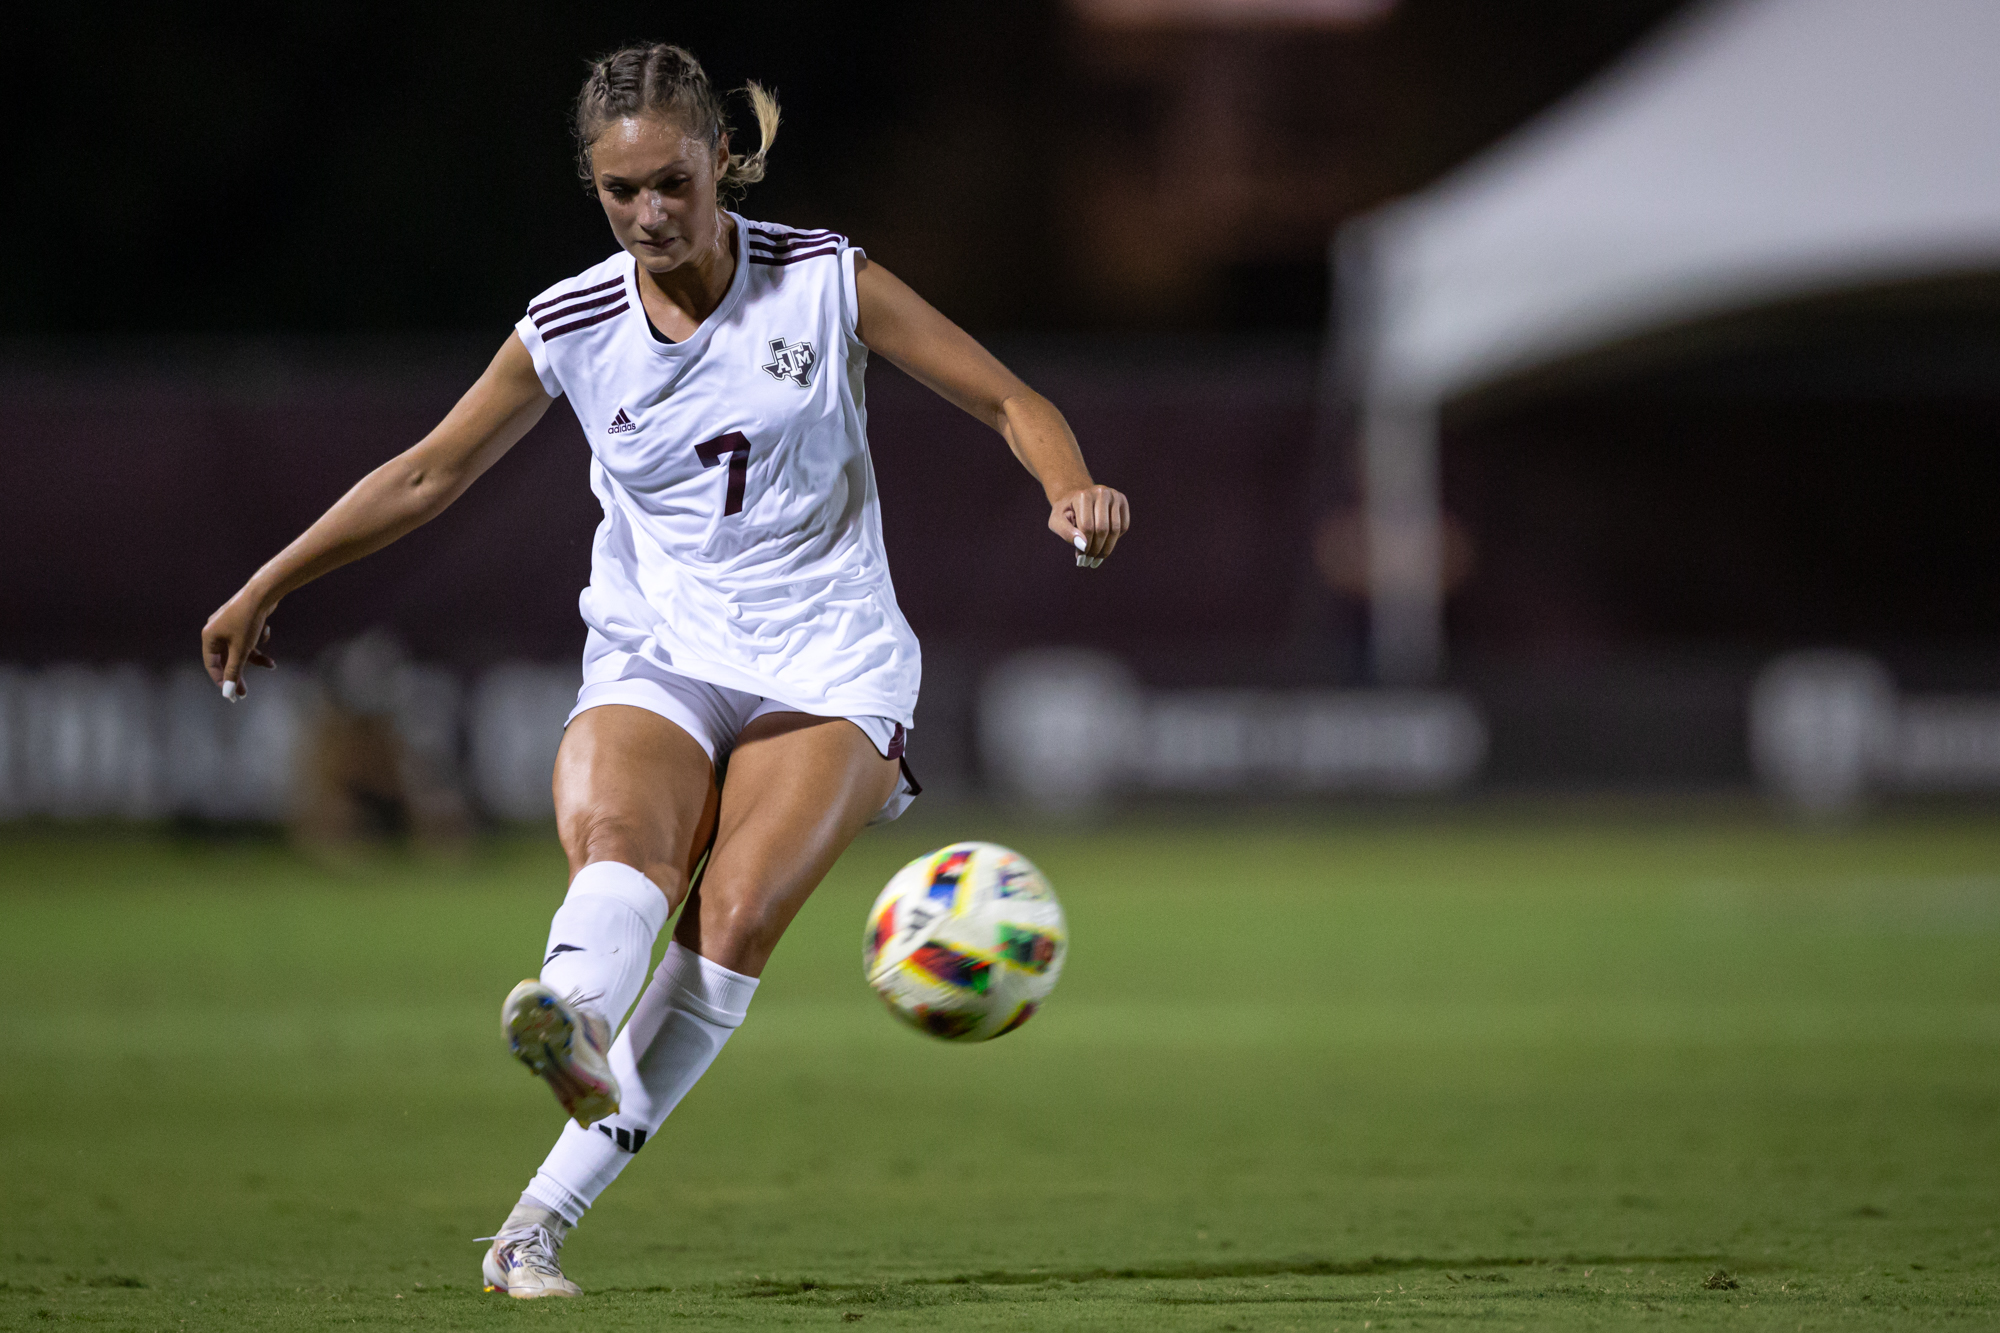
x,y
367,168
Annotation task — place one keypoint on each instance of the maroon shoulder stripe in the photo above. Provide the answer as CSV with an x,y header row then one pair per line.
x,y
571,296
794,257
572,327
771,242
827,248
795,245
556,316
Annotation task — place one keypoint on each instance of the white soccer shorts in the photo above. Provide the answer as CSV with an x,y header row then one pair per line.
x,y
715,716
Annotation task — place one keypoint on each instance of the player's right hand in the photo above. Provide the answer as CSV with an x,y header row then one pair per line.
x,y
236,634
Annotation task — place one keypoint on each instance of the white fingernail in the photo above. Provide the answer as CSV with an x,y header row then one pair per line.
x,y
1079,543
231,691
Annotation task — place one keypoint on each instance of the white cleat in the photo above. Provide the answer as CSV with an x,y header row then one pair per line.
x,y
522,1263
566,1045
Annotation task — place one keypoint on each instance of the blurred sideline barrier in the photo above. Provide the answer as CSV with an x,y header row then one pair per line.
x,y
1827,730
516,723
1059,727
1062,729
81,742
1068,727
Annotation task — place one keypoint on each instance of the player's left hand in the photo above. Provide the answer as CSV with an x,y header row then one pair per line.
x,y
1092,520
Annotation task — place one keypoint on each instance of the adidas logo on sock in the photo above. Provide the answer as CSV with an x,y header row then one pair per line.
x,y
621,423
630,1140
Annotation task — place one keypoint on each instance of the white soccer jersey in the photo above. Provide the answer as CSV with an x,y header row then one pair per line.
x,y
742,534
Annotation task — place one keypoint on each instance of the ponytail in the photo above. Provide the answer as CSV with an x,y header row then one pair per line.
x,y
745,171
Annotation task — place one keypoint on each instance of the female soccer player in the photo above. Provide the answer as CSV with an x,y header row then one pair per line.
x,y
747,677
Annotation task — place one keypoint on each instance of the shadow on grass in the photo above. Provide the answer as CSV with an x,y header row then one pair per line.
x,y
923,1290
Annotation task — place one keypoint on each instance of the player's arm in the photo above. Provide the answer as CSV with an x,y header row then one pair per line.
x,y
895,322
403,494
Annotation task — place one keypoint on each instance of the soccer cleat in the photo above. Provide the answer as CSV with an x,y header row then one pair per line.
x,y
522,1263
566,1045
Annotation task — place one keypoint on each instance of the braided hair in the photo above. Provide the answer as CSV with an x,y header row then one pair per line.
x,y
654,78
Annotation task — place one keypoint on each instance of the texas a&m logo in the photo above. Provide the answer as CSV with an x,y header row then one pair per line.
x,y
792,361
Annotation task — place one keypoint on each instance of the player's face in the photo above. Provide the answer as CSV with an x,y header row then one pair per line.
x,y
657,184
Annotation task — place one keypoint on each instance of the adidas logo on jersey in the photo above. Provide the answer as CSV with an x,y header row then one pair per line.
x,y
792,361
620,424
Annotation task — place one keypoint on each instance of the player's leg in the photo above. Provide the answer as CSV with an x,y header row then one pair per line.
x,y
798,790
635,805
635,801
635,788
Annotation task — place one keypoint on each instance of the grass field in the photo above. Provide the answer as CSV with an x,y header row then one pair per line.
x,y
1467,1071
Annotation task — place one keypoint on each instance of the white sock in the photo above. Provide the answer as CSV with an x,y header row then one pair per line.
x,y
532,1212
683,1019
601,940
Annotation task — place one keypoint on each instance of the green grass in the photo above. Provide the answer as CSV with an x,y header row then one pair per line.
x,y
1438,1072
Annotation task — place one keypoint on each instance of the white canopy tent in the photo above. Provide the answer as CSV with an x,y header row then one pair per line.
x,y
1754,150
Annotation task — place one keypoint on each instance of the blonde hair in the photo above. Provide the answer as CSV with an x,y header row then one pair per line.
x,y
659,79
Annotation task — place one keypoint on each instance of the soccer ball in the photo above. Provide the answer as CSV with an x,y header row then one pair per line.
x,y
966,942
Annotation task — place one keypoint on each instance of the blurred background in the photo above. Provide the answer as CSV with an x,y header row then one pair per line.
x,y
1566,396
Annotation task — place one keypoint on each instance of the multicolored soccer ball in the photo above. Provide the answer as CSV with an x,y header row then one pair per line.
x,y
966,942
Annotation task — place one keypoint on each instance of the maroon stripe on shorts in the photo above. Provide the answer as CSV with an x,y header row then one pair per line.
x,y
896,744
571,296
598,318
565,312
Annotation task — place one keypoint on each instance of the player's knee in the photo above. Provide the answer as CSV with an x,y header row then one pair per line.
x,y
588,837
592,835
741,928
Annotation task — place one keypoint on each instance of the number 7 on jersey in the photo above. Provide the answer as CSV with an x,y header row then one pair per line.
x,y
737,449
